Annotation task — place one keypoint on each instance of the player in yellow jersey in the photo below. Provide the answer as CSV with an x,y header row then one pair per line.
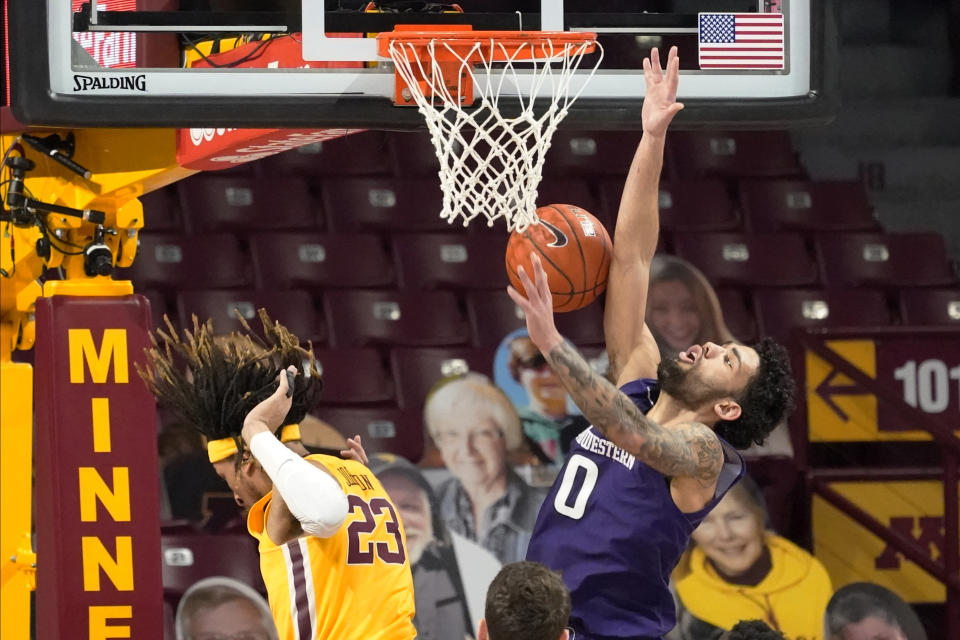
x,y
332,549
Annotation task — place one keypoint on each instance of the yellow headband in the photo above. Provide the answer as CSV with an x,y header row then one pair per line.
x,y
223,448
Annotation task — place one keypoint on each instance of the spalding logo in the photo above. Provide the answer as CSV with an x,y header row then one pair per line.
x,y
559,237
90,83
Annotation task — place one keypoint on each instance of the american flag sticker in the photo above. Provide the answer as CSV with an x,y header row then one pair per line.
x,y
741,40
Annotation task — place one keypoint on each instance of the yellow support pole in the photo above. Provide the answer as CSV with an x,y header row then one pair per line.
x,y
17,558
126,163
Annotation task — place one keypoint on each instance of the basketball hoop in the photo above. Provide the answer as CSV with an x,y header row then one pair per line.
x,y
491,162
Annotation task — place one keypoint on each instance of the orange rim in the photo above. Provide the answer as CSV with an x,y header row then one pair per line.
x,y
462,39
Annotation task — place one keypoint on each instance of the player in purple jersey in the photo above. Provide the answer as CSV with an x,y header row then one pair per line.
x,y
658,455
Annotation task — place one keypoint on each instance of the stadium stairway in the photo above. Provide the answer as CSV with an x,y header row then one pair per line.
x,y
899,127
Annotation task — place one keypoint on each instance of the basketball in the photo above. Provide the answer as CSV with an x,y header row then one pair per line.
x,y
575,250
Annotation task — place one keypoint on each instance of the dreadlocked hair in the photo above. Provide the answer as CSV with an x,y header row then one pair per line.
x,y
213,381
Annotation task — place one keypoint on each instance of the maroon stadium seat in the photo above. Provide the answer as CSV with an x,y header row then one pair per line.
x,y
930,306
312,260
371,204
188,262
685,205
362,153
780,310
352,376
570,191
161,210
437,260
169,624
219,203
782,485
738,318
493,315
784,205
763,259
415,371
583,153
383,429
293,309
427,318
413,154
695,154
189,557
885,260
159,306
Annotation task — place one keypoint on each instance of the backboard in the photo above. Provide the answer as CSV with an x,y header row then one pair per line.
x,y
315,64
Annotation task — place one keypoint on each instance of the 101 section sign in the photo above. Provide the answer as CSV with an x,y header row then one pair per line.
x,y
921,369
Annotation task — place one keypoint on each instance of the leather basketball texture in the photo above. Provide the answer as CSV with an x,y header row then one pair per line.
x,y
575,251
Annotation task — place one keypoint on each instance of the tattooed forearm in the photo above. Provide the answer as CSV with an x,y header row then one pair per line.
x,y
692,450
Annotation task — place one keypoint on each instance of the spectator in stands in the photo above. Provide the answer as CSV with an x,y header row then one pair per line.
x,y
474,426
440,592
526,601
217,608
682,307
752,630
864,611
737,570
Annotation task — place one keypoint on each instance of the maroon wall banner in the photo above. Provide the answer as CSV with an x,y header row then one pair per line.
x,y
926,371
97,501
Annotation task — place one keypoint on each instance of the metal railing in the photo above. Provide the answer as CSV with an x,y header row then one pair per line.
x,y
947,568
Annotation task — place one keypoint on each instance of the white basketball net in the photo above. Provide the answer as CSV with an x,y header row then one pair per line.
x,y
491,165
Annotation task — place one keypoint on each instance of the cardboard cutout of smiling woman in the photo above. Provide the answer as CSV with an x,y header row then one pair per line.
x,y
683,310
221,607
738,569
475,428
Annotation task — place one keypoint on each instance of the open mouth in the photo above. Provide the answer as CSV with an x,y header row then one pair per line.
x,y
691,355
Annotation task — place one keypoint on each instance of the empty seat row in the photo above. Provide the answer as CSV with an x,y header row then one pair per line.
x,y
311,261
189,556
468,261
357,318
688,154
838,260
365,318
341,205
775,312
231,203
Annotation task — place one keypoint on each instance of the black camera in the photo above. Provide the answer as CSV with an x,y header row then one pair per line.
x,y
16,199
97,257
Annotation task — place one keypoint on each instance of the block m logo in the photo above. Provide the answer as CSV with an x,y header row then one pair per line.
x,y
930,538
83,351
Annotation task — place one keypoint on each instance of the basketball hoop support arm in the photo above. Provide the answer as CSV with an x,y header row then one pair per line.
x,y
317,46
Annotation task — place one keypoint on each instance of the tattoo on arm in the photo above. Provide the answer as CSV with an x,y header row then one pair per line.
x,y
692,450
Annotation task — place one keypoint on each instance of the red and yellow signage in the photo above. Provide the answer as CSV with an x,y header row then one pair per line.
x,y
212,149
924,371
98,541
852,554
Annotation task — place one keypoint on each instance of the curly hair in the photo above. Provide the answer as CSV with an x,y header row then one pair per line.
x,y
212,382
766,400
